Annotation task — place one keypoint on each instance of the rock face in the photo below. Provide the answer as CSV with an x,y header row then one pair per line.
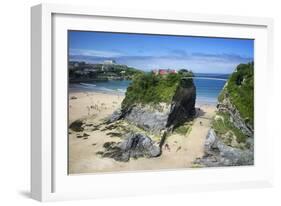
x,y
219,154
226,106
183,103
148,118
162,116
134,146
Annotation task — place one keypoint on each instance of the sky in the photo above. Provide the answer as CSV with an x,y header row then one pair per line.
x,y
147,52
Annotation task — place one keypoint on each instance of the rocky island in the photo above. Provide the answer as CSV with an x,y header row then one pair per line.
x,y
155,105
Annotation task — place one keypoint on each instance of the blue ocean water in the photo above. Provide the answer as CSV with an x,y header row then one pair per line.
x,y
208,87
110,86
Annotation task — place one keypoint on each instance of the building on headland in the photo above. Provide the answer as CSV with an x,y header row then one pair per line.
x,y
164,71
110,61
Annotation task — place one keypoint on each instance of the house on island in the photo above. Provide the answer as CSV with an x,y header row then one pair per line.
x,y
164,71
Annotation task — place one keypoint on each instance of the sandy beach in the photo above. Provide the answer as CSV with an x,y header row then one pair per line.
x,y
95,107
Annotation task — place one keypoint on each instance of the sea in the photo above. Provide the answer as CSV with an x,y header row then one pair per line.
x,y
208,87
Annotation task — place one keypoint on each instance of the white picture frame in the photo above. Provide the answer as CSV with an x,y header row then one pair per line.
x,y
49,179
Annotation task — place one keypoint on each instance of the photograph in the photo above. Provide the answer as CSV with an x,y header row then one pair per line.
x,y
152,102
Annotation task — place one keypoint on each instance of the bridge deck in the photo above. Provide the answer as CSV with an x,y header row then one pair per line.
x,y
209,78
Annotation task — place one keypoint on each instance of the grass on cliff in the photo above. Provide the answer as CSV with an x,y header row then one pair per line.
x,y
222,125
150,88
240,89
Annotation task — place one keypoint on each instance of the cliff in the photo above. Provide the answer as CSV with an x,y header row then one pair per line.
x,y
230,140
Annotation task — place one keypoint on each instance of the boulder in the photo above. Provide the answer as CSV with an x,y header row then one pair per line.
x,y
134,146
76,126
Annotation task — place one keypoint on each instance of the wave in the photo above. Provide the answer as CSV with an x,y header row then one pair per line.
x,y
111,90
122,90
93,87
88,85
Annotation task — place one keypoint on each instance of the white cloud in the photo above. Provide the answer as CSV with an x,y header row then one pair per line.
x,y
96,53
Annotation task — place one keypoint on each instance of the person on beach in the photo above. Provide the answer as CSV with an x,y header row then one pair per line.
x,y
167,147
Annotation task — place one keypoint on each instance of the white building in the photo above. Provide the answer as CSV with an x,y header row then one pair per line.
x,y
109,62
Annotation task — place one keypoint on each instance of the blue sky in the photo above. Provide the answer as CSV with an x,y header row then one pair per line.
x,y
146,52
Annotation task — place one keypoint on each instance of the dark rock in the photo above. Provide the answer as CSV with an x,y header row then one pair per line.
x,y
178,149
99,153
183,104
76,126
109,127
134,146
109,145
114,134
89,125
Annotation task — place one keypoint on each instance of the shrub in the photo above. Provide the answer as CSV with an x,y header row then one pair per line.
x,y
148,88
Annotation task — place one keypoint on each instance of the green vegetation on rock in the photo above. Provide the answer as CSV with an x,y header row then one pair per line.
x,y
238,94
222,125
148,88
240,90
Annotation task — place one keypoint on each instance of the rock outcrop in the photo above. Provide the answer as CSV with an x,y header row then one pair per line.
x,y
134,146
149,118
217,153
227,107
156,117
230,141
